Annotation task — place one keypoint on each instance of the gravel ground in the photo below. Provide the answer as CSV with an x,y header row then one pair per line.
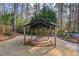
x,y
15,47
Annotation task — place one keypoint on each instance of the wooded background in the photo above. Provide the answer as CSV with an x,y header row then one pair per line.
x,y
17,14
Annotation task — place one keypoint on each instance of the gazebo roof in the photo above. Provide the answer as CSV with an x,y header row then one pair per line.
x,y
40,21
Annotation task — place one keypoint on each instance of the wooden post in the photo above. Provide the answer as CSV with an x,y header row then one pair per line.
x,y
49,32
31,34
48,36
24,35
55,37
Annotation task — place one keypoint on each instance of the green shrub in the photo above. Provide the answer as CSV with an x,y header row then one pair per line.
x,y
61,33
7,19
19,23
7,33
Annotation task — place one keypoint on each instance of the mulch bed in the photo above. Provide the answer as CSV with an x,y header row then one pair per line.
x,y
6,37
73,40
40,42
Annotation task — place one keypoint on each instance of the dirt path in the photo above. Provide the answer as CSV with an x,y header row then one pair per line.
x,y
15,47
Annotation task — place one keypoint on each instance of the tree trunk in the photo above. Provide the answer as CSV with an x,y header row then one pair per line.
x,y
0,12
78,17
4,10
27,12
75,17
37,8
15,14
22,8
69,26
61,15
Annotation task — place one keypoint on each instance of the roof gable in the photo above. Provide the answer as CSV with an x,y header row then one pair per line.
x,y
40,21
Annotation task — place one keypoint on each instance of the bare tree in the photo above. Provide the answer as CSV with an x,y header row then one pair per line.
x,y
3,8
75,14
22,12
69,24
22,8
15,15
59,7
37,8
78,17
27,11
0,12
60,14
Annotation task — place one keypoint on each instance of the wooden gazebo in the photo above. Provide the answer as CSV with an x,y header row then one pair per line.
x,y
40,22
